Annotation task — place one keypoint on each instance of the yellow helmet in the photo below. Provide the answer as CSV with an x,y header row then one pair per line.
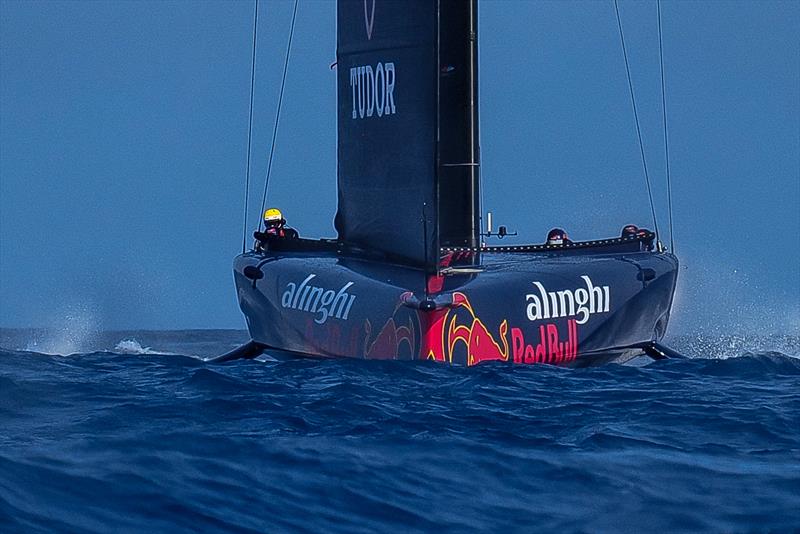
x,y
273,214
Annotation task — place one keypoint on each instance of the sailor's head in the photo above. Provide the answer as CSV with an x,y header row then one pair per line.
x,y
556,236
273,218
632,230
629,230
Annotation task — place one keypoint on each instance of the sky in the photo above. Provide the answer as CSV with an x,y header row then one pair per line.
x,y
123,145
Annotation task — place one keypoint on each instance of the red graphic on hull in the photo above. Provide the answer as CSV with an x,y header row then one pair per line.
x,y
387,343
550,349
444,334
436,282
481,345
447,334
329,339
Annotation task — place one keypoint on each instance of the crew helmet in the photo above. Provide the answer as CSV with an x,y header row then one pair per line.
x,y
273,216
629,230
557,236
632,230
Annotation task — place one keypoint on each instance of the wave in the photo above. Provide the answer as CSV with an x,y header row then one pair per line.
x,y
175,443
132,346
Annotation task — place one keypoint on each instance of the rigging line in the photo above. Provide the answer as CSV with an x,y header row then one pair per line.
x,y
250,132
636,118
278,113
666,137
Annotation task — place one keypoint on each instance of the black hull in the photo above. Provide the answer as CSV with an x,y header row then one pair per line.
x,y
563,307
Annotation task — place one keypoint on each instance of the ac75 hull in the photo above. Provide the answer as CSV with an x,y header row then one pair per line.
x,y
522,308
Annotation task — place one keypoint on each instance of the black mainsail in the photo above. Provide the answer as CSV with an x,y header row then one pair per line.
x,y
408,156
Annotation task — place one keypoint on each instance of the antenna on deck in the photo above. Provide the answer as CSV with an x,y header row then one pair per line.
x,y
502,231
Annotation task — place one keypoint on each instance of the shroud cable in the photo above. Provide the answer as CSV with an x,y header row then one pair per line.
x,y
278,113
250,132
636,118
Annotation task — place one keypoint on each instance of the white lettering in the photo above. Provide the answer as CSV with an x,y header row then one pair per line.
x,y
563,297
353,83
315,291
349,304
372,90
545,304
380,89
534,308
362,98
288,295
317,300
581,299
580,303
327,298
390,77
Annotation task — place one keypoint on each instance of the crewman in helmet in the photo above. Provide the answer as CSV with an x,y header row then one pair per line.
x,y
557,236
274,227
631,230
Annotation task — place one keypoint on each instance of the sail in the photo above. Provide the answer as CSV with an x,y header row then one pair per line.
x,y
407,126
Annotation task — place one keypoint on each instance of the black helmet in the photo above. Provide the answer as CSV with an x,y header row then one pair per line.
x,y
557,236
630,230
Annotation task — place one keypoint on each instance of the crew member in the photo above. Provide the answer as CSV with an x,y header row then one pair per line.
x,y
275,227
557,236
631,230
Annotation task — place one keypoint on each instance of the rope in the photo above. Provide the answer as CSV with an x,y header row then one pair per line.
x,y
249,132
636,118
278,114
666,137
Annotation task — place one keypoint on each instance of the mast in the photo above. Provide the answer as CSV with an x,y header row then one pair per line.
x,y
458,150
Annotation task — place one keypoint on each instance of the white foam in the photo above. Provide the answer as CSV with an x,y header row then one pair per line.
x,y
132,346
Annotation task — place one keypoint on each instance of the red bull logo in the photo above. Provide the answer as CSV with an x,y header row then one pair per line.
x,y
388,343
445,335
457,332
330,338
550,349
479,342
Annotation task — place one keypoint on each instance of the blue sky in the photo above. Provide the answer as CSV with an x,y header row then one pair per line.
x,y
123,131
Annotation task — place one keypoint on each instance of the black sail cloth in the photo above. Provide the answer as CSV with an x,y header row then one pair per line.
x,y
407,127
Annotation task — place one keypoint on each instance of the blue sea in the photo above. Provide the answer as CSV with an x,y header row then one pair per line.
x,y
134,432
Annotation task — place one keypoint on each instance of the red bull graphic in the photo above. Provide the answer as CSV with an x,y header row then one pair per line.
x,y
331,338
457,332
388,343
550,348
480,344
444,335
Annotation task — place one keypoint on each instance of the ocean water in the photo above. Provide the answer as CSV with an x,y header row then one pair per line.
x,y
133,432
